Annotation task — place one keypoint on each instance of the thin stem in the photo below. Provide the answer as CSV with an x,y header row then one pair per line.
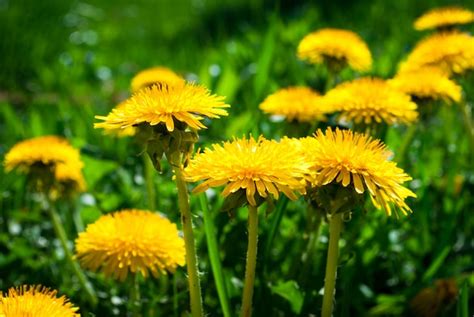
x,y
76,217
214,256
251,262
191,258
61,235
135,296
150,185
311,247
406,142
467,118
335,224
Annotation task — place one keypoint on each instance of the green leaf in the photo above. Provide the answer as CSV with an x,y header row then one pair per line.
x,y
95,169
290,291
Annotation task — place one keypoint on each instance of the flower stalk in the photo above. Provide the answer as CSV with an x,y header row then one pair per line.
x,y
186,221
61,235
246,310
335,226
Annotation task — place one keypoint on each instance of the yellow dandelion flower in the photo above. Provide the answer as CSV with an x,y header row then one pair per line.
x,y
48,151
188,103
453,52
344,46
371,100
161,76
131,241
444,17
356,159
295,103
427,83
260,167
37,301
122,132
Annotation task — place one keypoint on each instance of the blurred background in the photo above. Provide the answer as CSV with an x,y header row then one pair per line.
x,y
62,62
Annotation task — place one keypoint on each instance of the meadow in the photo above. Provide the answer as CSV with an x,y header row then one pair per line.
x,y
63,63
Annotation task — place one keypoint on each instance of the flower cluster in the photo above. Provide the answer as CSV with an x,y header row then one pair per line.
x,y
260,167
131,241
371,100
342,46
48,153
427,83
444,17
187,103
453,52
355,159
296,103
37,301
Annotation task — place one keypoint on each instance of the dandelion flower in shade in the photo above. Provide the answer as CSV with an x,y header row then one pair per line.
x,y
427,83
260,167
342,46
370,100
295,103
187,103
47,152
357,160
37,301
444,17
453,52
131,241
161,76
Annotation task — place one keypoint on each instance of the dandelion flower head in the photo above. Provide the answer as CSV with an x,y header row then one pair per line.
x,y
188,103
427,83
37,301
370,100
295,103
357,160
444,17
260,167
344,46
160,76
131,241
453,52
51,152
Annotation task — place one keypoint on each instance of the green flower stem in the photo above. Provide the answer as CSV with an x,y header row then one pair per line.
x,y
406,142
191,259
214,256
135,300
335,225
150,186
314,232
61,234
251,262
467,118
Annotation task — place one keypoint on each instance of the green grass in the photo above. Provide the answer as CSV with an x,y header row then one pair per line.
x,y
62,63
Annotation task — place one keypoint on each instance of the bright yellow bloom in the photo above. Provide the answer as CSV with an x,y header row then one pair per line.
x,y
356,159
371,100
48,152
295,103
343,46
37,301
188,103
453,52
258,167
444,17
427,83
161,76
131,241
122,132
